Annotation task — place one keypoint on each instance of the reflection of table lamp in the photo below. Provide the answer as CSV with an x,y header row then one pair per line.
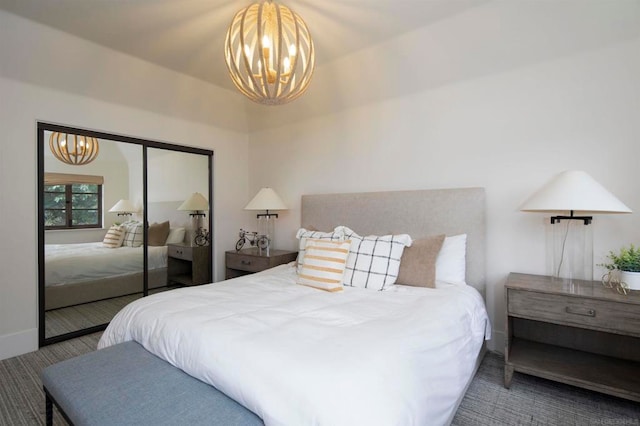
x,y
123,208
266,199
571,247
197,205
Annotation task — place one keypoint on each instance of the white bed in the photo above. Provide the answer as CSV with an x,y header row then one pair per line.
x,y
73,263
299,356
86,272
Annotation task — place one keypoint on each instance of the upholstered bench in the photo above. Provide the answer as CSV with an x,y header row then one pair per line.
x,y
124,384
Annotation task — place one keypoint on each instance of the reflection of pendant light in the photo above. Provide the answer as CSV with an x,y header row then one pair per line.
x,y
72,149
269,53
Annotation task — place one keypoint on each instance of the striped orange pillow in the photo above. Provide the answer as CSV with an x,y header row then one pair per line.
x,y
114,237
324,264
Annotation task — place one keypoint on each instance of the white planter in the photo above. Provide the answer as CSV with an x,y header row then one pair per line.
x,y
632,279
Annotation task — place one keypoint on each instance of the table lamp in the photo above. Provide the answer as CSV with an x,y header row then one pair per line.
x,y
197,205
574,196
266,199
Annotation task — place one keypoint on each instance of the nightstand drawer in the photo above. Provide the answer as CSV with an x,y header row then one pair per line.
x,y
583,312
247,263
180,252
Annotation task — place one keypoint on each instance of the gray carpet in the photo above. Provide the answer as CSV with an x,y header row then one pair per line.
x,y
21,395
534,401
78,317
530,401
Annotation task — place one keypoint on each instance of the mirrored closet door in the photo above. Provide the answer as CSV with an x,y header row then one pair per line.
x,y
96,193
177,203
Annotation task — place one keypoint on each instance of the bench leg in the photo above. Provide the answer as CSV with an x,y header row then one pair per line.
x,y
48,409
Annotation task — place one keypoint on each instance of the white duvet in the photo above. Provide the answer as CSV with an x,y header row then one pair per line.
x,y
295,355
72,263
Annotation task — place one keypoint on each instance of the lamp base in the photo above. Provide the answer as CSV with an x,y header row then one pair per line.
x,y
197,228
570,248
266,227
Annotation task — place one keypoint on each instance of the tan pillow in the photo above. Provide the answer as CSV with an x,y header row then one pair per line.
x,y
158,233
418,263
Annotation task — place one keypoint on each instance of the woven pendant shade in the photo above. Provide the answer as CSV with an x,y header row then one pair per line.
x,y
73,149
269,53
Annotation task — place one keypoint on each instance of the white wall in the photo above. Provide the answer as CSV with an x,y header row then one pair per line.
x,y
34,87
508,132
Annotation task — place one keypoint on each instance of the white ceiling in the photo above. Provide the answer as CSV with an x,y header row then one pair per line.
x,y
380,49
188,35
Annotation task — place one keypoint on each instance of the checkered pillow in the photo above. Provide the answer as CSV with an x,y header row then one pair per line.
x,y
374,261
133,234
303,234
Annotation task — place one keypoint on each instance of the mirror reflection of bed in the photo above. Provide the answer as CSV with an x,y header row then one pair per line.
x,y
94,262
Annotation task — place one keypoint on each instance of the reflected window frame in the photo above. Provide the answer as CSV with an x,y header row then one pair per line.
x,y
69,207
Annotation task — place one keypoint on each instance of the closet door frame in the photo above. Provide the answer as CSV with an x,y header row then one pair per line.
x,y
145,144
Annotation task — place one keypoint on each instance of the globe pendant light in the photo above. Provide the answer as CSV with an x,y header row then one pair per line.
x,y
269,53
76,150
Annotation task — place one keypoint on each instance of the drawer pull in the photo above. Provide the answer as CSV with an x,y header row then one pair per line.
x,y
245,262
586,313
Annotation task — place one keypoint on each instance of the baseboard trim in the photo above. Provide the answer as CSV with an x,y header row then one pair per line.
x,y
19,343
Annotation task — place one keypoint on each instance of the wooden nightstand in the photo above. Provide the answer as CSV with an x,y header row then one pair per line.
x,y
579,333
250,260
188,265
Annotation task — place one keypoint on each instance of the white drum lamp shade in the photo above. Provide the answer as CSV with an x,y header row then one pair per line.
x,y
266,199
574,191
195,203
570,242
123,207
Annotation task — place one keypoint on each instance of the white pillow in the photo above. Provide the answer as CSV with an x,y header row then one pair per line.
x,y
374,261
176,236
114,237
324,264
451,261
303,234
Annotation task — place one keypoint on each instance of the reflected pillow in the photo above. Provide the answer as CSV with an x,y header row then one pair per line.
x,y
158,233
114,237
133,234
176,236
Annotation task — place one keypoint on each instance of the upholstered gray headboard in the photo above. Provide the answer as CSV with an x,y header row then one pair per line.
x,y
417,213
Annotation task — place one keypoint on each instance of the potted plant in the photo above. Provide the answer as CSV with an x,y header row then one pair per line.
x,y
627,262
